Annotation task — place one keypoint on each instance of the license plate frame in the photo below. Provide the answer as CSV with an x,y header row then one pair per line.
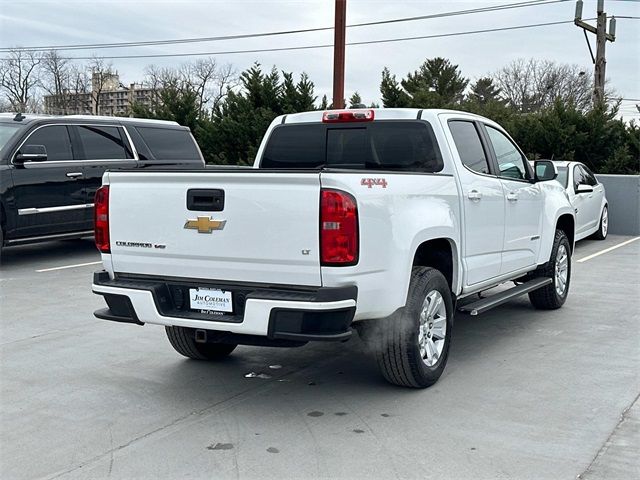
x,y
211,301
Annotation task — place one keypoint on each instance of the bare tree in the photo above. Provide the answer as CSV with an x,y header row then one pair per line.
x,y
205,78
103,77
208,80
530,85
19,79
54,80
80,98
197,76
54,73
227,78
157,78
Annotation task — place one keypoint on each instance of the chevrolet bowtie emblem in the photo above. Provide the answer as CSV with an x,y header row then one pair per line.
x,y
204,224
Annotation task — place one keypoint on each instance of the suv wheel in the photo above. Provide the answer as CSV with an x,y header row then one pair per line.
x,y
601,234
183,340
412,346
558,268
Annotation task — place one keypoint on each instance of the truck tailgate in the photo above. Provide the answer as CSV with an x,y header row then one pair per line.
x,y
270,230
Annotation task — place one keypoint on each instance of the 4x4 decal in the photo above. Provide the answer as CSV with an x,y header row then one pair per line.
x,y
370,182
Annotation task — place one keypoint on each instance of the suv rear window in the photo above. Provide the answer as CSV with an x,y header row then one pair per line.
x,y
169,143
381,145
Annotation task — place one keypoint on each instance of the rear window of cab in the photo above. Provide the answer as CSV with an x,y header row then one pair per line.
x,y
380,145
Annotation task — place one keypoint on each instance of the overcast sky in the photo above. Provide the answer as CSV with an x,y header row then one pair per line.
x,y
55,22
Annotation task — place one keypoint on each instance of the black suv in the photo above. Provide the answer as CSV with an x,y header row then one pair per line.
x,y
51,167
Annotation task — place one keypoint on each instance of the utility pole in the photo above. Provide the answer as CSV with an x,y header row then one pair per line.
x,y
600,30
339,35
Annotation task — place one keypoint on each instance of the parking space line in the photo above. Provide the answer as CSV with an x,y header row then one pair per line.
x,y
68,266
607,250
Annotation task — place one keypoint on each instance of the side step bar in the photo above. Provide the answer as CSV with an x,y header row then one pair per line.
x,y
488,303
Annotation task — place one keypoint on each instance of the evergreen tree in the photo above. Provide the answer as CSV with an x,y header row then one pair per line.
x,y
306,98
484,91
238,125
289,94
178,103
324,104
354,100
437,83
393,96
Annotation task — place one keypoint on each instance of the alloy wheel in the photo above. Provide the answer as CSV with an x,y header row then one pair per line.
x,y
561,270
432,328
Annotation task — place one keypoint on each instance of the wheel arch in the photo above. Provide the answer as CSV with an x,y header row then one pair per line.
x,y
567,224
442,254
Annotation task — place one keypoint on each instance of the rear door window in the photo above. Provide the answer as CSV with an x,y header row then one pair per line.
x,y
467,140
382,145
55,139
169,143
103,143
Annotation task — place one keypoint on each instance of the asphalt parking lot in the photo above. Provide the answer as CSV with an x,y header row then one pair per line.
x,y
526,394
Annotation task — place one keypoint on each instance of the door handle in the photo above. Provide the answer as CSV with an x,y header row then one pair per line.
x,y
512,197
74,174
205,200
474,195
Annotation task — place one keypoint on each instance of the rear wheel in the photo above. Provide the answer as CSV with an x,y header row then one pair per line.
x,y
603,229
558,268
412,346
183,340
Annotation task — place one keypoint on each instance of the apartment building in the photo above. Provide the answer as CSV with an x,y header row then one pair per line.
x,y
108,96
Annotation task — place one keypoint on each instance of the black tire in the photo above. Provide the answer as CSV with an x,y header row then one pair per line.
x,y
183,340
1,239
547,297
603,230
395,340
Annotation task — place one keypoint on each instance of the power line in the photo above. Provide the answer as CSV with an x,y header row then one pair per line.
x,y
530,3
311,47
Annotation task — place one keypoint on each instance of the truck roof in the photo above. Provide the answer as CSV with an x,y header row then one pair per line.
x,y
379,114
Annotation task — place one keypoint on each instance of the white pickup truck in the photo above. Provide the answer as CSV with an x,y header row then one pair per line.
x,y
384,221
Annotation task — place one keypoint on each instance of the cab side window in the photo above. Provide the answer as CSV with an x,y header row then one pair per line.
x,y
55,139
511,163
465,135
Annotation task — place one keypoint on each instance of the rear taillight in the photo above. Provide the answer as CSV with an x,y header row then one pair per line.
x,y
338,228
101,219
342,116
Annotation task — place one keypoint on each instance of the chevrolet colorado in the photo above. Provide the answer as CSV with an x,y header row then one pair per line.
x,y
383,220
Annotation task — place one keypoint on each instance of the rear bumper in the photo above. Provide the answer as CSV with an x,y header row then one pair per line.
x,y
292,313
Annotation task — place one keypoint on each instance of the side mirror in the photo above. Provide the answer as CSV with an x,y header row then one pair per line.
x,y
545,170
584,188
31,153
